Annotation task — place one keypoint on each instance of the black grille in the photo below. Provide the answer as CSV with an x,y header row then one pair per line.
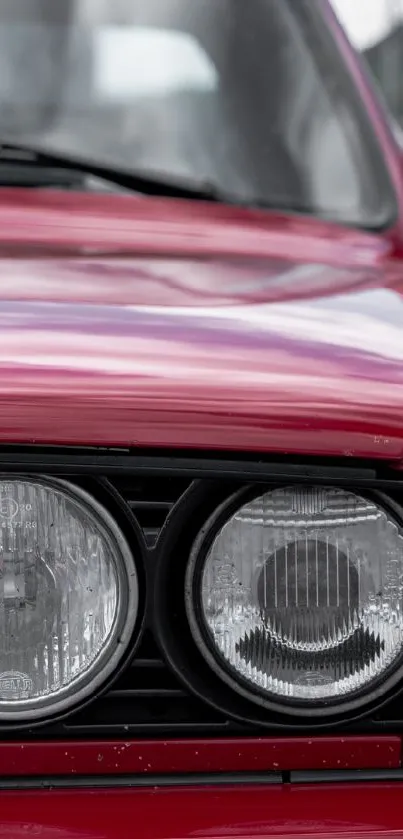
x,y
151,500
146,700
149,697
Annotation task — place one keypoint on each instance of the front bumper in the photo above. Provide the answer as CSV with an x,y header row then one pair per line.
x,y
331,811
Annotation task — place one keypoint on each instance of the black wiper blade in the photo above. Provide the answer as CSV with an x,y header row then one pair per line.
x,y
26,161
26,170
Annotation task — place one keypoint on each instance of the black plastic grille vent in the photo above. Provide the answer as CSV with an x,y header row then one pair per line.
x,y
151,500
147,699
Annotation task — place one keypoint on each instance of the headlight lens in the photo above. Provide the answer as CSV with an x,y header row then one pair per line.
x,y
68,596
297,598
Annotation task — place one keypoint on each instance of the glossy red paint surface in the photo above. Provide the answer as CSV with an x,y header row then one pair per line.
x,y
288,352
371,811
139,757
120,224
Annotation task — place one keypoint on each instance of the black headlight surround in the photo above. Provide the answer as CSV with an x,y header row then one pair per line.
x,y
186,642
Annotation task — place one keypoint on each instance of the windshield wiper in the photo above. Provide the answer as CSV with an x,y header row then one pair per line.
x,y
26,166
21,165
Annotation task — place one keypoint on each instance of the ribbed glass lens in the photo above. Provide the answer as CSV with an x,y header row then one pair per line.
x,y
66,592
301,593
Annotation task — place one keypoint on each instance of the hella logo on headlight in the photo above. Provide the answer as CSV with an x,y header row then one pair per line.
x,y
14,685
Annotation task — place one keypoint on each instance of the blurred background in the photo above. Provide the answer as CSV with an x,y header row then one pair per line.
x,y
376,29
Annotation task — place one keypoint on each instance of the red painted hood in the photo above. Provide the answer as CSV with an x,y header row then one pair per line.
x,y
134,322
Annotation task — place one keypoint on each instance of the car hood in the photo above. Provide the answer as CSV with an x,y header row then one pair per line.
x,y
137,323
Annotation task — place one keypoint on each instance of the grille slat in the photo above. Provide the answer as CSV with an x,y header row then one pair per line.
x,y
141,504
158,729
147,663
151,535
159,693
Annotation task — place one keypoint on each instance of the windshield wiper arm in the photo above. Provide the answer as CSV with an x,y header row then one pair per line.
x,y
19,164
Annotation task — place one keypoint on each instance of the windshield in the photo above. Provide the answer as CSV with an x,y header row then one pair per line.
x,y
248,97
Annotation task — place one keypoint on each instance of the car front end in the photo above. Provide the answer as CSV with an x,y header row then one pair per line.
x,y
201,443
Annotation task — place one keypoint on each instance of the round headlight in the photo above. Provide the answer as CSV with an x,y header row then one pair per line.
x,y
68,596
295,598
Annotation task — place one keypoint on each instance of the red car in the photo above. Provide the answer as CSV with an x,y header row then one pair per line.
x,y
201,425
